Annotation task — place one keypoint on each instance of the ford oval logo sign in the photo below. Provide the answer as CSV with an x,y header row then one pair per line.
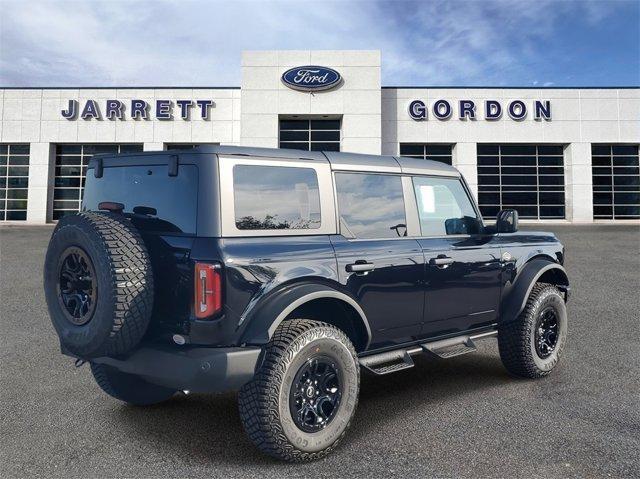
x,y
311,78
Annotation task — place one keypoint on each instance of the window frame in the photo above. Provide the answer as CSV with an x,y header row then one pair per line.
x,y
226,165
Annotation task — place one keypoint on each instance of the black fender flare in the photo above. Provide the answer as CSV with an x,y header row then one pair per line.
x,y
265,318
531,273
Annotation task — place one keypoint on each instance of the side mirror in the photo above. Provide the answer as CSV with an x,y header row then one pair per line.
x,y
467,225
507,221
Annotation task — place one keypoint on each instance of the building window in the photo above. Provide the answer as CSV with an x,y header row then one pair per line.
x,y
527,178
310,135
71,169
186,146
616,182
14,182
424,151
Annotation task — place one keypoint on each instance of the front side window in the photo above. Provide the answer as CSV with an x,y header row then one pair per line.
x,y
275,198
370,206
444,207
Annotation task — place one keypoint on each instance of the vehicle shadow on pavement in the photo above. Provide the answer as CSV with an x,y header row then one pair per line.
x,y
198,428
206,429
432,383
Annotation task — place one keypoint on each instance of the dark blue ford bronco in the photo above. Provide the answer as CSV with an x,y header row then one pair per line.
x,y
285,273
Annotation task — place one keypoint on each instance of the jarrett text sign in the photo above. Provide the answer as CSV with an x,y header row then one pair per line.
x,y
137,109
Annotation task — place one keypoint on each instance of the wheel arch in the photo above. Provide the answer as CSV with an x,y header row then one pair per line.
x,y
536,270
309,301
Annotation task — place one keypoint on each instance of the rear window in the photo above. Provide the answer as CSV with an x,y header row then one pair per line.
x,y
276,198
171,201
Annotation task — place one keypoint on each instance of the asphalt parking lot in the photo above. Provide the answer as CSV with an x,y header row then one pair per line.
x,y
464,417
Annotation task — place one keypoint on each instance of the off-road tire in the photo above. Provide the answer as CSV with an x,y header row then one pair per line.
x,y
128,387
264,402
123,281
516,338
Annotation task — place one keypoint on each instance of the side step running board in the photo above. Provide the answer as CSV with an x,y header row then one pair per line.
x,y
389,362
392,361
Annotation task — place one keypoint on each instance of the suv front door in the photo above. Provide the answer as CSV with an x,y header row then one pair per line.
x,y
379,265
463,268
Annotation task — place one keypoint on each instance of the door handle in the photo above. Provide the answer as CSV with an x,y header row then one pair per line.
x,y
441,261
360,267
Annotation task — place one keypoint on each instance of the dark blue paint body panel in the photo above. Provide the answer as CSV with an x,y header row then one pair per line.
x,y
525,247
466,293
392,294
254,270
257,267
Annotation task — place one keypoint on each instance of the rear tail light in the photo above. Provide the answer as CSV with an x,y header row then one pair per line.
x,y
207,290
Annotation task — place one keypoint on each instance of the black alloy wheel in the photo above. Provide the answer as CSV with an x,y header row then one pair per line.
x,y
77,288
315,394
546,333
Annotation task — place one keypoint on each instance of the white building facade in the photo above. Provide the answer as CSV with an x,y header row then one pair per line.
x,y
554,154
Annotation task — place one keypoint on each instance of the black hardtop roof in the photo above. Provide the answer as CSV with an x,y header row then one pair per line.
x,y
337,160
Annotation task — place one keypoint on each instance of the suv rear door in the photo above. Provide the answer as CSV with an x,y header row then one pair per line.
x,y
163,206
463,268
377,262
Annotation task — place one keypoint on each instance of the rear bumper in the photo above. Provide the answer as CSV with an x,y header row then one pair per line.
x,y
196,369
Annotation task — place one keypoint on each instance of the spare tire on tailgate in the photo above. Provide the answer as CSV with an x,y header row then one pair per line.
x,y
98,284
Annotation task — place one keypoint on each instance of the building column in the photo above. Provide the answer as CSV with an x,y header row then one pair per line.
x,y
153,146
41,174
578,183
465,159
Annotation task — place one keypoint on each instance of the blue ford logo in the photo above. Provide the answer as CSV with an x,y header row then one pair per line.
x,y
311,78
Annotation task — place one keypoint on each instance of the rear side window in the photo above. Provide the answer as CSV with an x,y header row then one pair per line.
x,y
444,207
370,206
275,198
157,201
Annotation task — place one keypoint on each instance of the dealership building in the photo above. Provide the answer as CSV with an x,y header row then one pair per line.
x,y
554,154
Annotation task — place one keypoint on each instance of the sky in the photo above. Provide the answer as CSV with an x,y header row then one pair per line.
x,y
427,43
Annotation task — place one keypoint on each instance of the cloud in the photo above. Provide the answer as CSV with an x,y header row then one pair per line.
x,y
184,43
